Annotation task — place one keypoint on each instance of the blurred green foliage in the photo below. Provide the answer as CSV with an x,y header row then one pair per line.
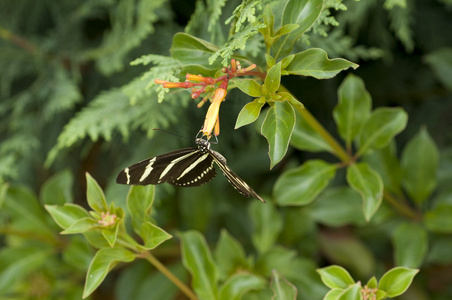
x,y
359,189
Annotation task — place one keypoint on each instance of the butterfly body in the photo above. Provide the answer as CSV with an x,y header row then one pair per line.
x,y
185,167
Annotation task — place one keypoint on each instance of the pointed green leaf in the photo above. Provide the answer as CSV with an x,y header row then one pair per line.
x,y
315,62
300,186
333,294
110,233
335,277
386,163
282,289
273,78
304,13
353,108
95,195
197,259
58,189
104,260
250,87
269,19
277,258
277,129
396,281
139,205
419,166
288,28
269,60
372,283
381,127
238,284
65,216
368,184
286,61
267,224
153,235
191,50
304,137
229,255
351,293
410,245
81,225
249,113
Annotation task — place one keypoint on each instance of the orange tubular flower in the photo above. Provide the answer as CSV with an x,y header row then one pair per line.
x,y
212,113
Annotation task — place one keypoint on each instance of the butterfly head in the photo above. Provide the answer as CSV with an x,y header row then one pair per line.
x,y
202,144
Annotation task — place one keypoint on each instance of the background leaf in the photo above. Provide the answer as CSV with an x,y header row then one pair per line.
x,y
419,166
249,113
198,261
410,244
300,186
397,280
267,224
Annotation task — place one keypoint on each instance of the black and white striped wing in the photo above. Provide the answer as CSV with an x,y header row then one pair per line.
x,y
185,167
239,185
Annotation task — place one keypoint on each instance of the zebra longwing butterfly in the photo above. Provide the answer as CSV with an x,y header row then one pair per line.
x,y
186,168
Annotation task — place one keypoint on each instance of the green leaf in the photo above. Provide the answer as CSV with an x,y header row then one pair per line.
x,y
229,255
238,284
250,87
139,205
351,293
315,62
104,260
110,233
441,63
304,137
439,220
153,235
65,216
337,207
333,294
191,50
300,186
368,184
381,127
249,113
419,166
81,225
288,28
410,245
273,78
335,277
197,259
386,163
95,195
277,258
269,19
353,108
57,189
282,289
277,129
304,13
396,281
267,225
269,60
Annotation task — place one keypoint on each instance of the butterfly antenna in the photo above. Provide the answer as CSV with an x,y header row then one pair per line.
x,y
173,134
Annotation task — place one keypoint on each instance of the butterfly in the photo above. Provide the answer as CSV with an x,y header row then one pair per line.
x,y
185,167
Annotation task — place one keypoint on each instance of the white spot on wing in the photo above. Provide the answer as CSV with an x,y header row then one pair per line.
x,y
148,170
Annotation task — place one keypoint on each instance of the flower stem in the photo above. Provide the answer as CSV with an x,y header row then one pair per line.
x,y
159,266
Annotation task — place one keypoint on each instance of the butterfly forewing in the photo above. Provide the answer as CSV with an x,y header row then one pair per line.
x,y
170,167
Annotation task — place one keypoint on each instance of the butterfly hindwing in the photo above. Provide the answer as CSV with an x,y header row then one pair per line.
x,y
238,183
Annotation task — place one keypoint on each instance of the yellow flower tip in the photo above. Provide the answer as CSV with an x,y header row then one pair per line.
x,y
212,113
159,81
207,80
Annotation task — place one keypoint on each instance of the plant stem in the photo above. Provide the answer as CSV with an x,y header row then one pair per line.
x,y
402,208
159,266
309,118
17,40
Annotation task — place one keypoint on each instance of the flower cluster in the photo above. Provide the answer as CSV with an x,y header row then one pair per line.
x,y
216,96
